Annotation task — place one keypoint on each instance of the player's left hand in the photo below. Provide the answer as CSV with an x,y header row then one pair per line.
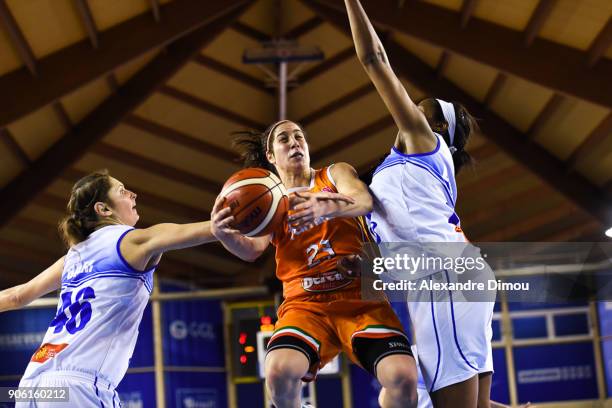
x,y
309,209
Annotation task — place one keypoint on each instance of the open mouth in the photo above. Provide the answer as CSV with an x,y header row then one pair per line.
x,y
296,154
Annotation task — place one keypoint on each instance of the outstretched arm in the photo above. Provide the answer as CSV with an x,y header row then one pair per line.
x,y
415,135
19,296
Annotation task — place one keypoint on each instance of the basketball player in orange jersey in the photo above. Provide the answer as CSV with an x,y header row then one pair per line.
x,y
323,313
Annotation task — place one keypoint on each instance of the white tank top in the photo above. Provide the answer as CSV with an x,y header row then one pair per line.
x,y
101,304
414,201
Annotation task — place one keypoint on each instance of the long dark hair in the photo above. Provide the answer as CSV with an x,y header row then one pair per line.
x,y
253,146
81,218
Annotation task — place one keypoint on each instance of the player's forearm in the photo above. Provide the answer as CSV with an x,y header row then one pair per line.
x,y
362,206
9,299
241,246
368,46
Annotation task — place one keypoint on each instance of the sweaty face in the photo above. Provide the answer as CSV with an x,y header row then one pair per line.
x,y
289,148
123,203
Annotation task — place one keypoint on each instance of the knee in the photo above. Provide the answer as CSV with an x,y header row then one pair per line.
x,y
399,381
282,375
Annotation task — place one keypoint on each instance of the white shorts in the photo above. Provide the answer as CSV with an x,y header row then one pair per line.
x,y
453,337
83,391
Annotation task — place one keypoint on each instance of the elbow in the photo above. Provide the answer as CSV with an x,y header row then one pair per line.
x,y
250,257
368,205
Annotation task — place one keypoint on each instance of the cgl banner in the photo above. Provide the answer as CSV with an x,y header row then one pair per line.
x,y
21,333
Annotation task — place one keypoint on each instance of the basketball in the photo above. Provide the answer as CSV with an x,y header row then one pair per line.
x,y
258,200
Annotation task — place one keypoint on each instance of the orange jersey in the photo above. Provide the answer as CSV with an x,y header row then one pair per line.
x,y
306,262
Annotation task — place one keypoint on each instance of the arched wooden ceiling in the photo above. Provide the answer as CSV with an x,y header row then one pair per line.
x,y
153,89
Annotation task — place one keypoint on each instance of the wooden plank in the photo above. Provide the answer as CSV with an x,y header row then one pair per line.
x,y
601,44
181,138
326,65
304,28
552,65
551,107
108,114
352,138
9,141
537,20
602,132
496,86
210,107
337,104
72,67
233,73
467,9
7,21
88,21
251,32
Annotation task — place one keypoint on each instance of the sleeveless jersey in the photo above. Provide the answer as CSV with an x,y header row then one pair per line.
x,y
306,262
100,308
414,198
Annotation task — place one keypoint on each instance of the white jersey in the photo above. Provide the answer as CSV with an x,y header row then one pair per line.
x,y
100,308
415,196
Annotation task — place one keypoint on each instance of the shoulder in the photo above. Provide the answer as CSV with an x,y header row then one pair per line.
x,y
341,169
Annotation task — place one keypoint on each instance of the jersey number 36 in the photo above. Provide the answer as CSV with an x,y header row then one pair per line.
x,y
73,310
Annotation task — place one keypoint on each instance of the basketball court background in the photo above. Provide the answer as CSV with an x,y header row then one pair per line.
x,y
152,90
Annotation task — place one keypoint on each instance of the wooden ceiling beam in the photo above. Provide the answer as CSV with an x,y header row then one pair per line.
x,y
233,73
154,167
326,65
538,160
495,88
582,227
551,107
591,142
354,137
155,10
8,22
209,107
559,67
74,66
170,206
537,220
251,32
442,63
9,141
467,9
109,113
337,104
304,28
537,20
600,44
181,138
88,22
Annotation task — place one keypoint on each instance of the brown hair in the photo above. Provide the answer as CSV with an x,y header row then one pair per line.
x,y
81,218
253,146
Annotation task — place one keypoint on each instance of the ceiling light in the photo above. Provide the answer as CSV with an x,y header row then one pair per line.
x,y
609,232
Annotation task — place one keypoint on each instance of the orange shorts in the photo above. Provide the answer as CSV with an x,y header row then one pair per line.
x,y
330,327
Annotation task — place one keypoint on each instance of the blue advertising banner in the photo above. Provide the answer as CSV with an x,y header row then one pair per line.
x,y
137,390
558,372
250,395
193,333
143,352
499,383
365,388
194,390
21,333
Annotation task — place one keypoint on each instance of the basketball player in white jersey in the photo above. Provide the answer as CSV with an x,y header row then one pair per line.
x,y
415,192
106,278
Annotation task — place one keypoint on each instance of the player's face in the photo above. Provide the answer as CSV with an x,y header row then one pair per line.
x,y
289,148
123,203
431,110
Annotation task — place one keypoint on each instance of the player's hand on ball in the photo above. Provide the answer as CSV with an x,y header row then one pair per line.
x,y
310,209
221,220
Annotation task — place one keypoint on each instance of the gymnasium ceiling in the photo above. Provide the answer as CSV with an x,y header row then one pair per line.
x,y
152,89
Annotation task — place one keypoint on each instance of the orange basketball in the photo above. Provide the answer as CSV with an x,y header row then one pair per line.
x,y
258,200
